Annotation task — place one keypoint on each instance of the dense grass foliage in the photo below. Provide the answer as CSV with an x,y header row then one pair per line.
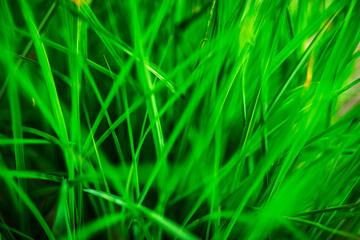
x,y
179,119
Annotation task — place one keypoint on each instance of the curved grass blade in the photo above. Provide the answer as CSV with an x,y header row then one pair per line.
x,y
167,224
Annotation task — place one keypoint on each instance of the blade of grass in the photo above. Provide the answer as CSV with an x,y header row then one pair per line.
x,y
318,225
31,206
163,222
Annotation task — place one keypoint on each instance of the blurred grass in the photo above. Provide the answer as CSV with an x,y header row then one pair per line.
x,y
179,119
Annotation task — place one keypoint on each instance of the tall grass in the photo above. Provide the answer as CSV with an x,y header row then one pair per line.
x,y
179,119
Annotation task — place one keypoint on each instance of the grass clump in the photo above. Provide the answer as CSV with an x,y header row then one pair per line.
x,y
179,119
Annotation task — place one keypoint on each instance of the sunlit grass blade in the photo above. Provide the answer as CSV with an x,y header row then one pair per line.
x,y
165,223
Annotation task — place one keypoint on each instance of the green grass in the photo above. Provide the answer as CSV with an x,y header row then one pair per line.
x,y
180,119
